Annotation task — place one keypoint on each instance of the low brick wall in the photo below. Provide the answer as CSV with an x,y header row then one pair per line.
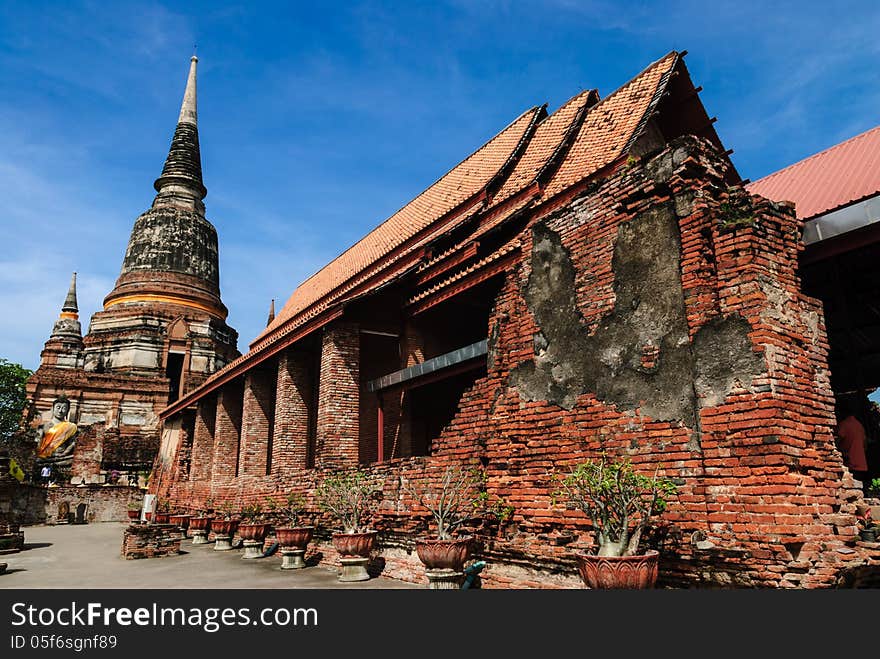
x,y
104,503
35,504
150,541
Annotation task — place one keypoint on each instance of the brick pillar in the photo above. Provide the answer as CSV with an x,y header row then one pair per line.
x,y
338,397
227,433
203,439
258,418
183,461
294,411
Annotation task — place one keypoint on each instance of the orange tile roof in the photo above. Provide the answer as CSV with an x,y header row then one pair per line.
x,y
462,182
543,144
609,126
606,132
835,177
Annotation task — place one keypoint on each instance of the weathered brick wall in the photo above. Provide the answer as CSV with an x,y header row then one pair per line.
x,y
104,503
34,504
656,314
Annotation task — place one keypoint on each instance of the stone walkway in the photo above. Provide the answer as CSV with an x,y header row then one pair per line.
x,y
88,556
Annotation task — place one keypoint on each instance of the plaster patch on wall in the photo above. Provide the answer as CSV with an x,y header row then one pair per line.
x,y
639,357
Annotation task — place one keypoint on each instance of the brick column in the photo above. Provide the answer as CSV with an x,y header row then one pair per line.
x,y
203,439
227,433
258,418
183,461
294,416
338,397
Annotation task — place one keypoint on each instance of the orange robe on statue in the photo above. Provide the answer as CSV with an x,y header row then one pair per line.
x,y
54,438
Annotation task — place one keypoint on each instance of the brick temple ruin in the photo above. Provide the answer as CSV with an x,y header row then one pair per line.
x,y
162,330
595,279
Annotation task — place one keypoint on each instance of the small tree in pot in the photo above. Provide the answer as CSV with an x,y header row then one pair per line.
x,y
224,528
253,529
351,498
294,537
452,498
621,503
134,510
200,524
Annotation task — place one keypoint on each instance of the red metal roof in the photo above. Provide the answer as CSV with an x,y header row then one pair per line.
x,y
830,179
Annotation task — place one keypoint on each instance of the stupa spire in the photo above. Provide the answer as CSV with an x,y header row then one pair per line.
x,y
67,325
182,173
188,109
70,305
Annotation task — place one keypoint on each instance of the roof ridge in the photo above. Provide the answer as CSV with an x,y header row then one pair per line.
x,y
671,53
823,152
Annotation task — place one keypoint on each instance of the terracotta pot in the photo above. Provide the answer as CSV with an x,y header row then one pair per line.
x,y
134,514
181,521
256,531
297,537
148,516
162,518
224,526
355,544
610,572
200,523
439,554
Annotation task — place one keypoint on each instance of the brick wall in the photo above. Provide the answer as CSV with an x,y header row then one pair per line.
x,y
654,314
34,504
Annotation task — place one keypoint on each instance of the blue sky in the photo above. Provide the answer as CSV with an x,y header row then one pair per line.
x,y
318,121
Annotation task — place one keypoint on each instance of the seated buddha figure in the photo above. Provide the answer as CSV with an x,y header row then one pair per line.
x,y
57,437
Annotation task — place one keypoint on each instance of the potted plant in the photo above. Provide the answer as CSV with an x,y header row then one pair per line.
x,y
200,525
293,538
867,529
253,529
452,498
350,498
134,510
181,521
163,512
224,527
621,503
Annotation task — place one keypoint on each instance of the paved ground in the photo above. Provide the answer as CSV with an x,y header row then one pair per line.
x,y
88,556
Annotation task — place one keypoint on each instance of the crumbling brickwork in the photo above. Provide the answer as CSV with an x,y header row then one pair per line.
x,y
150,541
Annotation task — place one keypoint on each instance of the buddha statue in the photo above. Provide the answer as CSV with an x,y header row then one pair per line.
x,y
56,438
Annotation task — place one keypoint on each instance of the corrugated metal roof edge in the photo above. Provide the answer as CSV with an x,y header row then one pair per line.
x,y
804,161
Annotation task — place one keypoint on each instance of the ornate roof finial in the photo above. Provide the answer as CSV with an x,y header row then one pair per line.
x,y
271,312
